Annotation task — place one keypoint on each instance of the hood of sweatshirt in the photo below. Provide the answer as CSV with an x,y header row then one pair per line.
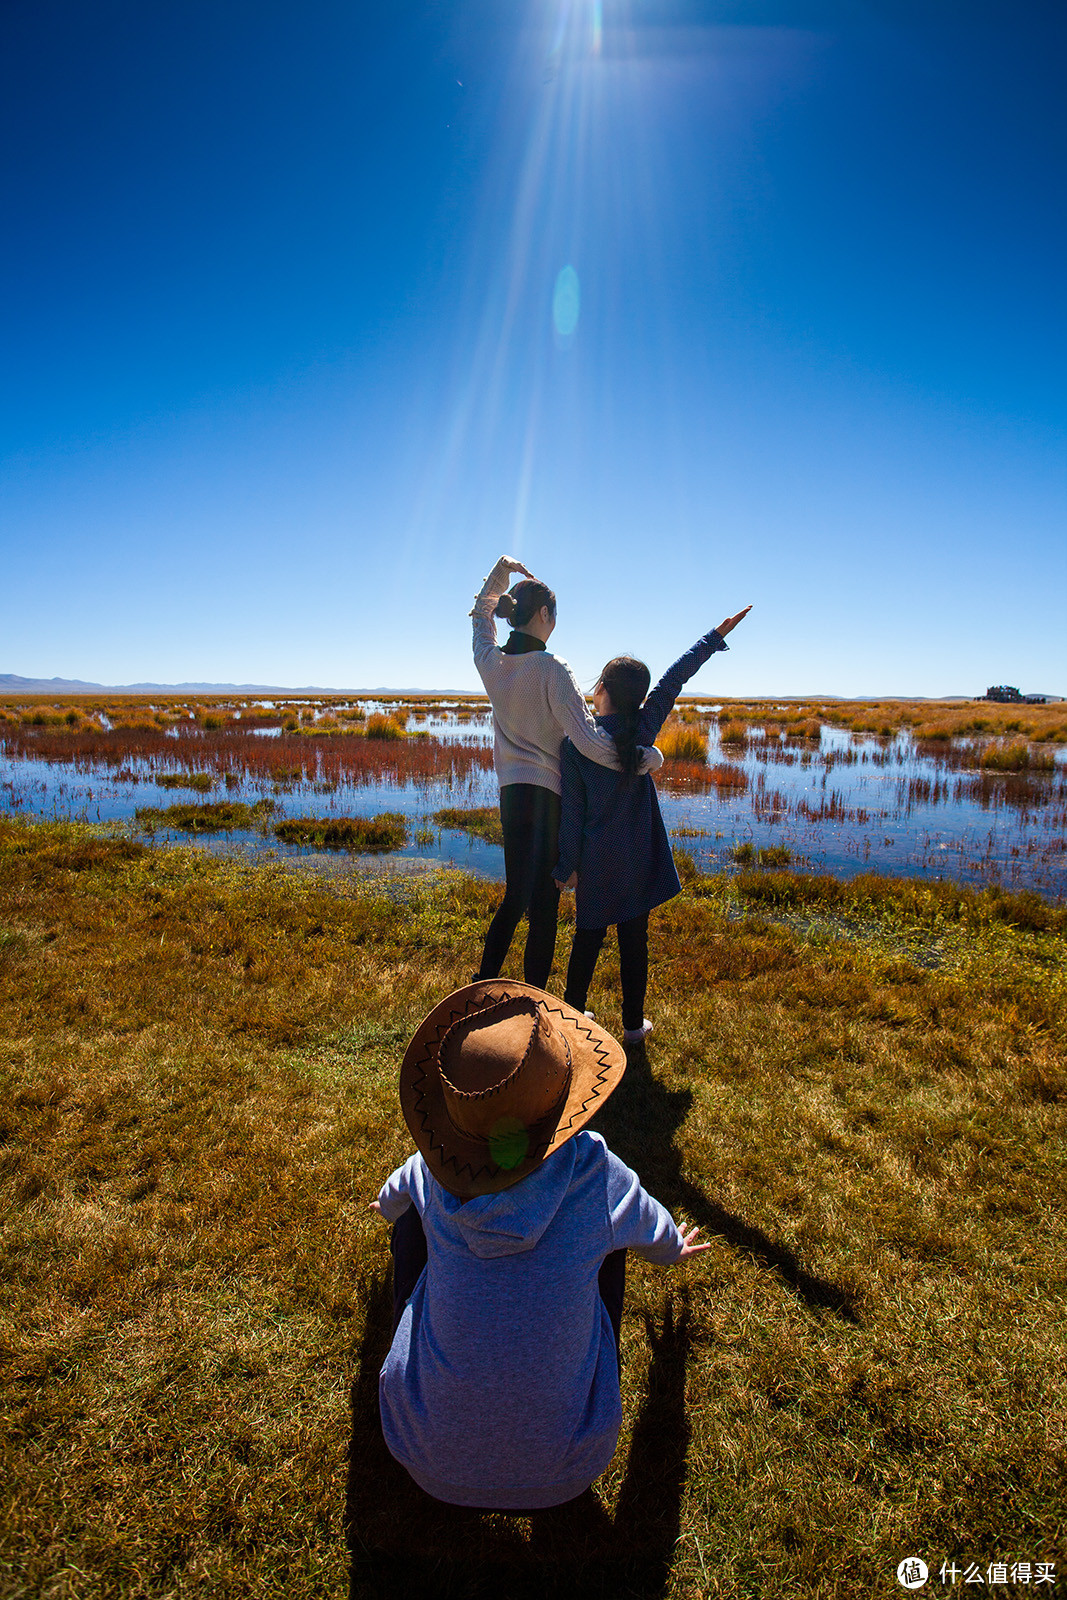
x,y
512,1221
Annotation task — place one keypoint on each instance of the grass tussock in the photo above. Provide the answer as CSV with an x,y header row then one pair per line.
x,y
379,726
363,835
481,822
774,855
725,776
1015,757
199,1065
220,816
201,781
681,741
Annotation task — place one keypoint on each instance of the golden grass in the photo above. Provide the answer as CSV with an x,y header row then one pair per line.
x,y
928,720
378,726
858,1092
681,741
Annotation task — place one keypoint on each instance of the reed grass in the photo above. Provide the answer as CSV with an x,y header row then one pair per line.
x,y
344,757
725,776
865,1114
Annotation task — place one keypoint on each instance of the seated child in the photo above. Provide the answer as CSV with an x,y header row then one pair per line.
x,y
501,1387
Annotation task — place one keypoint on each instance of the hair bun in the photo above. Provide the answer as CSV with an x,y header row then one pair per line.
x,y
505,607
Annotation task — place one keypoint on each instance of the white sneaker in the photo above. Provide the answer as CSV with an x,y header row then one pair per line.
x,y
635,1035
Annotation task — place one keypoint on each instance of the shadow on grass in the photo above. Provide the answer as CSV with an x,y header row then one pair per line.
x,y
403,1542
639,1123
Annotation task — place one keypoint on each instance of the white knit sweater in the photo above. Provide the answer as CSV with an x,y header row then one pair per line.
x,y
536,700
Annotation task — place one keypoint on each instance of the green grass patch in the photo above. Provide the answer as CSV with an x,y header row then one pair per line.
x,y
774,855
219,816
365,835
480,822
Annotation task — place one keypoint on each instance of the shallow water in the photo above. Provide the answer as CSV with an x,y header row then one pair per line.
x,y
845,804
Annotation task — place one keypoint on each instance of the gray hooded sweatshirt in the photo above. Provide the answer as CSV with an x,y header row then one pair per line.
x,y
501,1387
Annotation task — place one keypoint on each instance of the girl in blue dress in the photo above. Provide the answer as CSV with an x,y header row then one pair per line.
x,y
613,847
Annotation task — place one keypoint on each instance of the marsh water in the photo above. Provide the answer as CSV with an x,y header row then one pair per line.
x,y
837,802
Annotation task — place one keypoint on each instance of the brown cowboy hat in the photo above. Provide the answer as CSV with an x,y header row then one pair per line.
x,y
498,1076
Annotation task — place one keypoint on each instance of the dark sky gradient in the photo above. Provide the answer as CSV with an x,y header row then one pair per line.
x,y
282,376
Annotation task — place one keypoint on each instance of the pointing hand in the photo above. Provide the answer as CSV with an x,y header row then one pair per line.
x,y
731,622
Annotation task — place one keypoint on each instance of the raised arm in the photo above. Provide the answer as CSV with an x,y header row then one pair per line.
x,y
638,1222
485,600
660,702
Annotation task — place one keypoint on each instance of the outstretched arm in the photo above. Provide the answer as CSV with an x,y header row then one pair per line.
x,y
660,702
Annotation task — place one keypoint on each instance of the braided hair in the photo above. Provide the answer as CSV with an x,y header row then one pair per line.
x,y
627,681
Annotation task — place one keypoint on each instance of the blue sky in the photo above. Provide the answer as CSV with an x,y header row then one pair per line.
x,y
311,311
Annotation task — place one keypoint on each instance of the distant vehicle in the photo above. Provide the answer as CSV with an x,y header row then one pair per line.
x,y
1007,694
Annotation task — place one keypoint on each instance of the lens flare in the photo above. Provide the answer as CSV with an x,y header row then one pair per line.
x,y
566,304
508,1143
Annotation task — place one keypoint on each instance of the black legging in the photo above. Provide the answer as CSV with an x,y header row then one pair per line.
x,y
529,816
633,966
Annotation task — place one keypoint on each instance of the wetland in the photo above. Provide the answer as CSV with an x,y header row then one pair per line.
x,y
968,792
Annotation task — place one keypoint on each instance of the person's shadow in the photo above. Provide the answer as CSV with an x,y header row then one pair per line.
x,y
639,1124
403,1542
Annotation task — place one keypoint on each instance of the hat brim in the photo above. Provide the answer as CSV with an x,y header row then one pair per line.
x,y
462,1164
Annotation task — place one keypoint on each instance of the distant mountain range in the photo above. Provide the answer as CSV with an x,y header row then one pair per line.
x,y
11,683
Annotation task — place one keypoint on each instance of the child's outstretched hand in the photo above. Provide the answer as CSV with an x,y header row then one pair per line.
x,y
731,622
373,1205
688,1247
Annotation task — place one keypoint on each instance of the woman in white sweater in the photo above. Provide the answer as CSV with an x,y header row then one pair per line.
x,y
536,701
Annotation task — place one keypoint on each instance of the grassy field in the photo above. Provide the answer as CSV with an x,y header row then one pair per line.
x,y
858,1091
